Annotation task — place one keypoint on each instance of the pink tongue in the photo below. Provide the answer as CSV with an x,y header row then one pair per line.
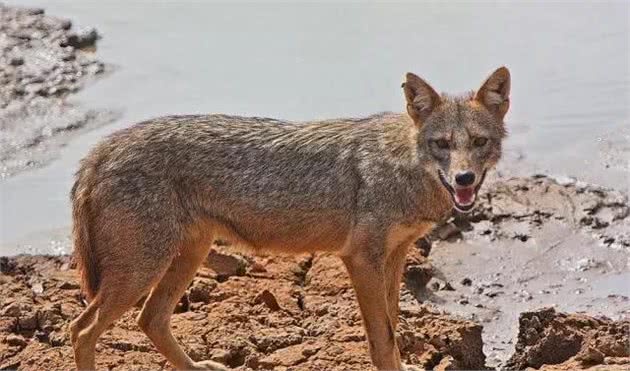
x,y
464,195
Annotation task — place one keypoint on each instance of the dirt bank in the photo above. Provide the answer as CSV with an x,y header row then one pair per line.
x,y
43,61
257,313
277,313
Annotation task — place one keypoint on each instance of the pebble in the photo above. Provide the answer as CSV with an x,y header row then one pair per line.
x,y
226,264
16,341
269,299
200,289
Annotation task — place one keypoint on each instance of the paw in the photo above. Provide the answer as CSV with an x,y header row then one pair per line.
x,y
406,367
209,366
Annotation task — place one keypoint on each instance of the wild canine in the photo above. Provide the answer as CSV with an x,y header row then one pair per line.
x,y
149,200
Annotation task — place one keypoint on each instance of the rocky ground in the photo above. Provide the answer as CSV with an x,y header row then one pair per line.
x,y
262,313
549,340
299,313
43,61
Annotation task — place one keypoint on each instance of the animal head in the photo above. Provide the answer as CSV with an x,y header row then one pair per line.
x,y
460,137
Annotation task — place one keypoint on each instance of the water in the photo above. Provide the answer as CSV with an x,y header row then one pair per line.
x,y
614,284
569,63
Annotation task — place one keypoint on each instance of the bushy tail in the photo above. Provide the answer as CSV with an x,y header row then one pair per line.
x,y
84,254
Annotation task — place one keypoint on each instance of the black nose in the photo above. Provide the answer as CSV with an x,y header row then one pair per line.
x,y
465,178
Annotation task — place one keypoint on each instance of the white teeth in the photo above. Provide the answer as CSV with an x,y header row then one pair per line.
x,y
466,211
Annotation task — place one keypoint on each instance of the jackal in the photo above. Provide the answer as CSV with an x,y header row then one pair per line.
x,y
149,200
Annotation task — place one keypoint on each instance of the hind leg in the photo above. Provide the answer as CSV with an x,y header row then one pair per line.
x,y
112,300
83,358
89,326
131,259
155,317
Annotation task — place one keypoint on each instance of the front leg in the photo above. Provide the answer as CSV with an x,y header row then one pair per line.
x,y
399,239
365,264
394,268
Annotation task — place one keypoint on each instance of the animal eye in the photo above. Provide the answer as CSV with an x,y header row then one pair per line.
x,y
442,143
480,141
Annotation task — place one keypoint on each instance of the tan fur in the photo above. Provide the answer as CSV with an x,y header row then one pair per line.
x,y
149,201
404,235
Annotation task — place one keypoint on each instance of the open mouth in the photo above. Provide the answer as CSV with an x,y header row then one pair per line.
x,y
463,197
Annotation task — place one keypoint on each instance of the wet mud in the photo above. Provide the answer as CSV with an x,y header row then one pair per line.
x,y
44,60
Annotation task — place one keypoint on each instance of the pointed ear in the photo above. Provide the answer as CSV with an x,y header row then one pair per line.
x,y
494,93
421,98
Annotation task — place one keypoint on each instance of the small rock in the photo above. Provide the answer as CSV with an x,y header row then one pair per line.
x,y
321,310
493,294
590,355
226,264
83,38
16,61
439,285
50,318
285,357
466,281
7,265
58,338
257,268
447,363
268,299
16,341
12,310
41,336
220,355
28,321
424,245
418,275
183,305
310,349
253,361
200,290
13,364
66,285
37,288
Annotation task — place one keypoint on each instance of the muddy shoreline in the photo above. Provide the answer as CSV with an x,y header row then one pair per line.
x,y
533,242
44,60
